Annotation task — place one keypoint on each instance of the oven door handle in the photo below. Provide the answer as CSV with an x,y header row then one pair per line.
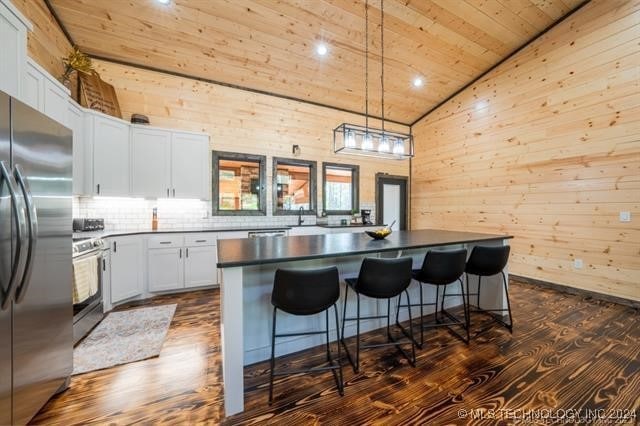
x,y
20,217
32,216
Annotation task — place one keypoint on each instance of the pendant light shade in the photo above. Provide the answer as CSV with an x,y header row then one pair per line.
x,y
359,140
391,145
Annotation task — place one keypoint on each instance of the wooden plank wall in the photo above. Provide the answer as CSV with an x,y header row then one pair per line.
x,y
547,148
47,44
241,121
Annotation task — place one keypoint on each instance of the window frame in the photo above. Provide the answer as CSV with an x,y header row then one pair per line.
x,y
216,156
313,191
355,186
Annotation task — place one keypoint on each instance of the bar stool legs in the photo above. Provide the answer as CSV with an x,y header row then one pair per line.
x,y
439,314
391,341
492,312
332,365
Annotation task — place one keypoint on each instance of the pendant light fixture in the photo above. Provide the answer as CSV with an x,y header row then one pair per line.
x,y
364,140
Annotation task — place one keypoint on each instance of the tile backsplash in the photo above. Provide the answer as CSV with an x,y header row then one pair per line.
x,y
135,213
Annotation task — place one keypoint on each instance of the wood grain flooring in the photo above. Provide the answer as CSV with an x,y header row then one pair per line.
x,y
566,352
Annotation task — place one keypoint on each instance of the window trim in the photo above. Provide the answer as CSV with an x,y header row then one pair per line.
x,y
313,192
355,186
216,156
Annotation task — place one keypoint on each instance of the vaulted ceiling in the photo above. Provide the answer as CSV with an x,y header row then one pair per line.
x,y
269,45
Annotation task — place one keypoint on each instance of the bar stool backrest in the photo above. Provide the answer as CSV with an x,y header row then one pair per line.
x,y
384,278
443,267
486,261
305,292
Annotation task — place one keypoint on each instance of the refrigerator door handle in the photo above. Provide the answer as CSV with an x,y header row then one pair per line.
x,y
32,215
20,215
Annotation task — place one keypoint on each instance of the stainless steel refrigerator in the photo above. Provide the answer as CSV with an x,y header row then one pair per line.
x,y
36,315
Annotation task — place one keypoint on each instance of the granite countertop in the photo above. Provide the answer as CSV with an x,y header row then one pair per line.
x,y
122,232
116,232
245,252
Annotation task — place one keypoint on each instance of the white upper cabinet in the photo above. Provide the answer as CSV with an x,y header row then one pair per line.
x,y
150,162
110,145
44,93
75,118
169,164
13,48
33,86
190,165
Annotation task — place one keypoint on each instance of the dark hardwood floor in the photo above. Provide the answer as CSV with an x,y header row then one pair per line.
x,y
566,353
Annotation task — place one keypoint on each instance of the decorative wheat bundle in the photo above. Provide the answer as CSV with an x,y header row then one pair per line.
x,y
76,61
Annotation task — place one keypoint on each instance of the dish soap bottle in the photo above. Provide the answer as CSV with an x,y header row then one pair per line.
x,y
154,220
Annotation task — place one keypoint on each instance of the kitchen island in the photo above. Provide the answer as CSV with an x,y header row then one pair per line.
x,y
247,269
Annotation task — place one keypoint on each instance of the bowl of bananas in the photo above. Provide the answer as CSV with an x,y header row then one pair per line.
x,y
380,234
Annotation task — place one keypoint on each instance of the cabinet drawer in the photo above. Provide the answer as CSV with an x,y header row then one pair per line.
x,y
202,239
164,241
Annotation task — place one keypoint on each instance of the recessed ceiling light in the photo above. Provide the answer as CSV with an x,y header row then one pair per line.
x,y
164,1
481,105
321,49
418,82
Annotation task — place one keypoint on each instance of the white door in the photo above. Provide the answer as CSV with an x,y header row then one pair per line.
x,y
110,156
190,165
165,269
126,268
200,266
391,208
150,162
76,124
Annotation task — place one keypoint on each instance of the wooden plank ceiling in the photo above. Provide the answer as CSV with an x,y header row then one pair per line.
x,y
269,45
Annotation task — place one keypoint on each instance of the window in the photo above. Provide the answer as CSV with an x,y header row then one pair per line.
x,y
238,184
294,186
340,188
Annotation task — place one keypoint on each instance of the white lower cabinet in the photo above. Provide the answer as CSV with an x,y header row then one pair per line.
x,y
176,261
126,270
200,266
166,269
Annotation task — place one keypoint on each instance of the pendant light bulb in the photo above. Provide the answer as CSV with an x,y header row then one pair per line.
x,y
367,142
350,139
398,147
383,146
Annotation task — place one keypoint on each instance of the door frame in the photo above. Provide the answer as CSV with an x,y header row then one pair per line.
x,y
404,206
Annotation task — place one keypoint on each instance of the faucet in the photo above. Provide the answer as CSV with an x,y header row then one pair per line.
x,y
300,219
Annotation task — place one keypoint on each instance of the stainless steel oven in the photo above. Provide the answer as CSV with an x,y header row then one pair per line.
x,y
87,291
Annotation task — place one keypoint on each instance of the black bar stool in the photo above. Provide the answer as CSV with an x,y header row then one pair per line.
x,y
441,268
379,279
306,292
486,262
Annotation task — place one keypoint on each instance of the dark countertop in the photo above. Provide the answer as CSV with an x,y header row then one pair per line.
x,y
244,252
116,233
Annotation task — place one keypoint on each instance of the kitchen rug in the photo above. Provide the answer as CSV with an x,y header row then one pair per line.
x,y
123,337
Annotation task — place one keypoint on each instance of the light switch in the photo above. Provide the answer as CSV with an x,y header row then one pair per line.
x,y
625,216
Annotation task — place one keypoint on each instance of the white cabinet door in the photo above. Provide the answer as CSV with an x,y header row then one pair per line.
x,y
106,280
126,268
165,269
110,138
33,87
200,266
190,165
13,45
76,124
307,230
56,101
150,162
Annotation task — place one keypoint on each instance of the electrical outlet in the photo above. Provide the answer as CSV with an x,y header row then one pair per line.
x,y
577,263
625,216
